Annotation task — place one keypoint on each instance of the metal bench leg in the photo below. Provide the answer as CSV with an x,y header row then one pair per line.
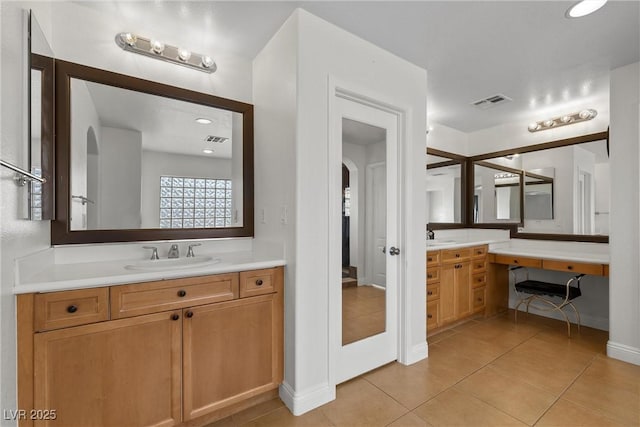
x,y
575,310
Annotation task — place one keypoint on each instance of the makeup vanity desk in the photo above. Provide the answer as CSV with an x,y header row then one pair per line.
x,y
571,258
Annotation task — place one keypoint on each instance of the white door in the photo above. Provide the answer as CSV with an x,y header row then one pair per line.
x,y
367,313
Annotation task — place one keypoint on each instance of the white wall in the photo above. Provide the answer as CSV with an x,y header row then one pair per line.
x,y
448,139
291,92
624,296
155,164
17,236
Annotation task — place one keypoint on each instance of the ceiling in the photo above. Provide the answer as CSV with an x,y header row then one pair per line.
x,y
526,50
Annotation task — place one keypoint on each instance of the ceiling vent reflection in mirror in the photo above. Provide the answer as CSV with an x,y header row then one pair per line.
x,y
159,50
491,101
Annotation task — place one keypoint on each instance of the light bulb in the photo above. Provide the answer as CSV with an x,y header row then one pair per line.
x,y
129,39
533,127
157,47
184,54
566,119
549,123
585,114
207,62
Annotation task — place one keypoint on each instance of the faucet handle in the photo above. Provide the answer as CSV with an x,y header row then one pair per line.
x,y
190,253
154,254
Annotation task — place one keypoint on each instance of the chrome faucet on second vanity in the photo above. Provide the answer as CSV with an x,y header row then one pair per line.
x,y
174,252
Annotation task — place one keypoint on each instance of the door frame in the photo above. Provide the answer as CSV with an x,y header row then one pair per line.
x,y
338,88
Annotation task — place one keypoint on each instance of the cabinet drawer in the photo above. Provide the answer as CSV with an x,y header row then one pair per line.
x,y
152,297
519,260
455,255
70,308
433,292
257,282
478,266
479,251
573,267
478,280
433,258
433,274
478,299
433,315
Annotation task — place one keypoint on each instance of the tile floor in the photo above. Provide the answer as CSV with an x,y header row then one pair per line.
x,y
363,312
483,373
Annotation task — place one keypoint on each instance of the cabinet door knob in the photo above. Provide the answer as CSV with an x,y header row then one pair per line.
x,y
457,255
175,317
182,293
429,292
429,276
429,259
72,308
259,282
570,267
429,316
189,314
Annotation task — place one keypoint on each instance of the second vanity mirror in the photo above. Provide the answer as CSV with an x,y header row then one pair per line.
x,y
445,183
139,160
560,188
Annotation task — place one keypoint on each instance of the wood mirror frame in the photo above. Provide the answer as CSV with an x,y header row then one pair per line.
x,y
462,161
528,149
61,232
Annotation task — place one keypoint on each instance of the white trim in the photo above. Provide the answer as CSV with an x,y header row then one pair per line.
x,y
299,403
623,352
417,353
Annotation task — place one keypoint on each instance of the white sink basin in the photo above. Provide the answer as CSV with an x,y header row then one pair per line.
x,y
172,264
438,242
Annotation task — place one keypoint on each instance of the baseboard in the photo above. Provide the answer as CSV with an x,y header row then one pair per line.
x,y
623,352
299,403
416,354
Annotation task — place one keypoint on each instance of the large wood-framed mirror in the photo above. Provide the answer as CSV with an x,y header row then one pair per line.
x,y
557,190
139,160
445,189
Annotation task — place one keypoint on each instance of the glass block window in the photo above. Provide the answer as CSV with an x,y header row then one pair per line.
x,y
347,201
36,196
194,202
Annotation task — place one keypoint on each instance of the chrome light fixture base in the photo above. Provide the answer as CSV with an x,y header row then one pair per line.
x,y
564,120
158,50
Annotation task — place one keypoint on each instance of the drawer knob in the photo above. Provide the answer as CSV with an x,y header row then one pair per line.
x,y
175,317
515,261
429,276
570,267
182,293
429,316
259,282
429,292
457,255
189,314
429,259
480,299
72,308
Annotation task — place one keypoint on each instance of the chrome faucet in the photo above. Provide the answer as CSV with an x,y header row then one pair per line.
x,y
174,252
430,234
190,253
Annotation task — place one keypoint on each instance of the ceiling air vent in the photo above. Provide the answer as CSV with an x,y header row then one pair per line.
x,y
212,138
492,101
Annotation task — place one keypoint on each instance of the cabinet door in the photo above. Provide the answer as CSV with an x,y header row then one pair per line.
x,y
232,351
447,293
463,282
119,373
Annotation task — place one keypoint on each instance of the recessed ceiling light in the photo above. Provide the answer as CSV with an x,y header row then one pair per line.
x,y
203,121
207,151
584,8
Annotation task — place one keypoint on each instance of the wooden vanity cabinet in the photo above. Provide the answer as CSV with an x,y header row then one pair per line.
x,y
456,284
192,363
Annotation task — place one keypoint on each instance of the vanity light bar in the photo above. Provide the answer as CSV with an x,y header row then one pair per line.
x,y
158,50
567,119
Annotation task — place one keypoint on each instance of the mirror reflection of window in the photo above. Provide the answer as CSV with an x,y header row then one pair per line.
x,y
443,190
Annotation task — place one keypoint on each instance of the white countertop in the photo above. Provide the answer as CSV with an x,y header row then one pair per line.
x,y
438,244
57,277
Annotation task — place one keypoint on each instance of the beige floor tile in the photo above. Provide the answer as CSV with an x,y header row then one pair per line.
x,y
359,403
283,418
587,340
610,387
498,334
568,414
470,347
408,385
511,395
448,368
410,420
455,408
432,339
257,411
